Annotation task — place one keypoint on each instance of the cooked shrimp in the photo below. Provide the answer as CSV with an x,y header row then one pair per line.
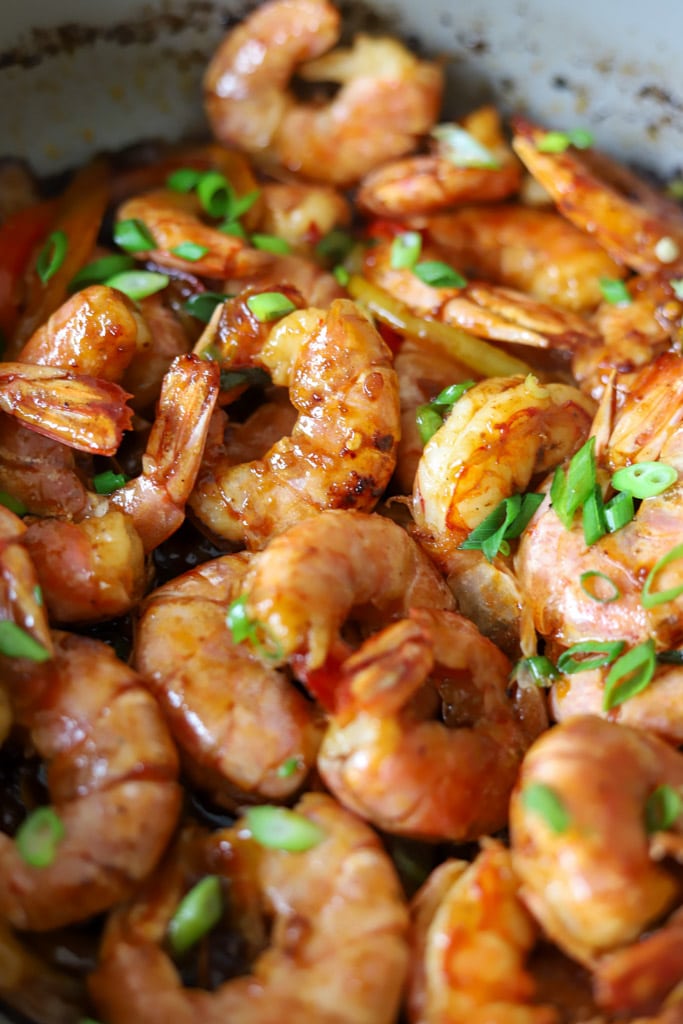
x,y
317,286
302,214
592,878
342,449
308,581
471,936
29,985
111,779
387,756
336,917
552,560
387,99
20,597
425,184
236,720
536,251
41,474
166,339
635,223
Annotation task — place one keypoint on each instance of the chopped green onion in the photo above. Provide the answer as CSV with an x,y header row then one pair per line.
x,y
278,828
15,642
38,837
544,802
215,194
202,306
558,142
335,246
574,658
184,179
51,256
190,251
540,668
13,504
342,275
38,595
133,235
507,521
88,1020
615,291
244,629
677,287
254,376
270,243
569,491
673,657
198,912
428,422
586,579
138,284
462,149
438,274
240,205
450,395
105,483
268,306
405,250
630,675
99,270
594,520
232,227
662,809
619,511
645,479
289,767
430,417
650,600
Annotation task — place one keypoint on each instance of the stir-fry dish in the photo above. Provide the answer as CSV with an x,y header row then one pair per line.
x,y
341,563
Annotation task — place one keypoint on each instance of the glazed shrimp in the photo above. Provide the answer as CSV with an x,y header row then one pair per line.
x,y
342,449
595,880
471,935
317,286
236,720
111,780
387,756
308,581
387,99
425,184
20,599
535,251
35,989
337,920
302,214
635,223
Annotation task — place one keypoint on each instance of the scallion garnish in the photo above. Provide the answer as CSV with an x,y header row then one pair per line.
x,y
38,595
589,654
202,306
51,256
13,504
342,275
672,657
619,511
650,600
133,235
428,420
232,227
198,912
594,584
289,767
461,148
506,522
429,417
254,376
278,828
405,250
215,194
662,809
270,243
105,483
190,251
539,667
558,142
268,306
644,479
240,205
99,270
545,803
615,291
39,836
438,274
630,675
15,642
569,491
184,179
594,521
244,629
335,246
138,284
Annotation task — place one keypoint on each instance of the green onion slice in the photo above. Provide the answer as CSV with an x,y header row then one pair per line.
x,y
662,809
644,479
105,483
190,251
342,275
289,767
38,595
335,246
461,148
99,270
133,235
198,912
254,376
51,256
545,803
138,284
615,291
244,629
540,668
202,306
13,504
184,179
15,642
232,227
278,828
428,420
594,584
558,142
569,491
630,675
447,398
39,836
429,417
438,274
507,521
594,519
215,194
672,657
270,243
268,306
405,250
242,204
589,654
650,600
619,511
